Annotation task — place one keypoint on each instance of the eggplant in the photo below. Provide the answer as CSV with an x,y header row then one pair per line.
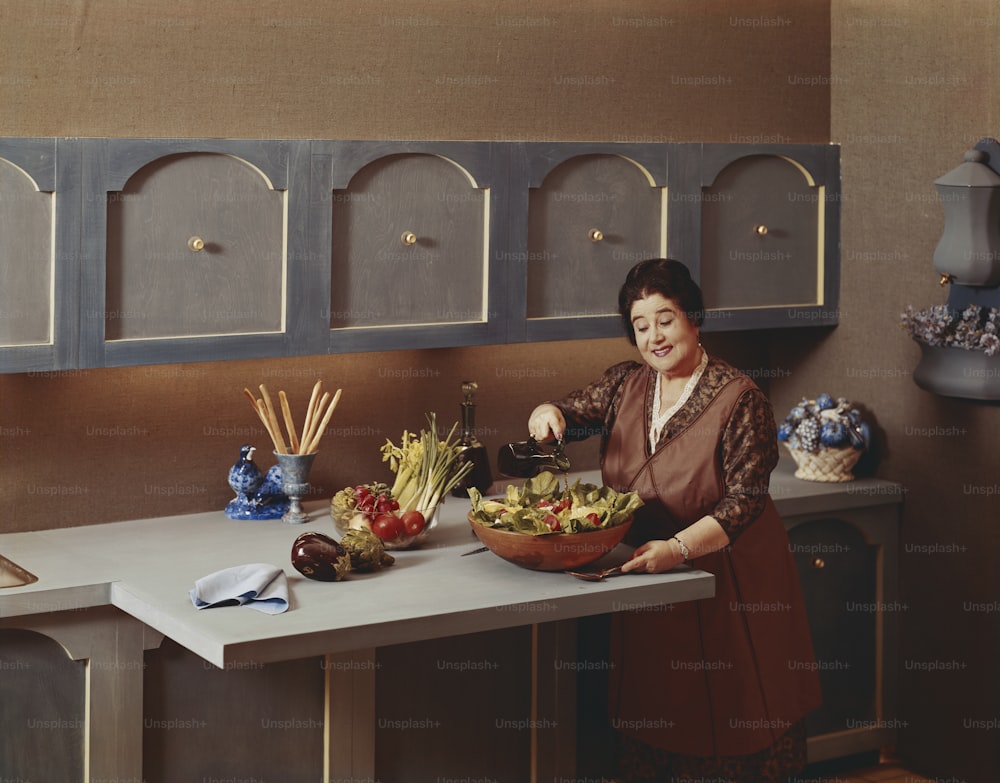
x,y
317,556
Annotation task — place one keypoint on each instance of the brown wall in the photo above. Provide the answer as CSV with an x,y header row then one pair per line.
x,y
104,445
913,85
904,90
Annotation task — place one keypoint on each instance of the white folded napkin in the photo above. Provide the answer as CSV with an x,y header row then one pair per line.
x,y
258,585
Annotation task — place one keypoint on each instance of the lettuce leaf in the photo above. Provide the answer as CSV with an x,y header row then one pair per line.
x,y
519,510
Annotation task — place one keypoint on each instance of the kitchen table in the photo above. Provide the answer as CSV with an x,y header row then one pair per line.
x,y
87,576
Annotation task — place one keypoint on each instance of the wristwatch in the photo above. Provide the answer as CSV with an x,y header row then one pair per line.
x,y
685,552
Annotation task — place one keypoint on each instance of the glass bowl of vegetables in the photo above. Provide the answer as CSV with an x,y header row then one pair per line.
x,y
372,507
544,528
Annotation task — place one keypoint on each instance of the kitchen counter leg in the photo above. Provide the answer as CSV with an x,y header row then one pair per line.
x,y
349,752
553,701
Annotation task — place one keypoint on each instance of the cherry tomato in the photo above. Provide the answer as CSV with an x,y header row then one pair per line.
x,y
553,522
387,527
595,519
413,523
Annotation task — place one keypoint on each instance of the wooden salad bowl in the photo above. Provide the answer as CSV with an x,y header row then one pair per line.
x,y
555,552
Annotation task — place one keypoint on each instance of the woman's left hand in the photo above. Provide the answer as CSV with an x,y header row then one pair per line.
x,y
654,557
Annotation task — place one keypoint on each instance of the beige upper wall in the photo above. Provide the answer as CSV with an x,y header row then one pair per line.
x,y
431,69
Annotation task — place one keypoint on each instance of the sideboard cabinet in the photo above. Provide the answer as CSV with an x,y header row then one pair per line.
x,y
138,251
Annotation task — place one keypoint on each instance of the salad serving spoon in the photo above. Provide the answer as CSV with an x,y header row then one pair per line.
x,y
596,576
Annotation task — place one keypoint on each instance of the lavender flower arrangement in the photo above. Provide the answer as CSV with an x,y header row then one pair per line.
x,y
974,329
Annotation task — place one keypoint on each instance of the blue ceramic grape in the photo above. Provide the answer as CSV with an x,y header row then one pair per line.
x,y
808,434
785,430
825,402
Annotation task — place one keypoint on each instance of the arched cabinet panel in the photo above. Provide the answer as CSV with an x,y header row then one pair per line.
x,y
592,218
194,255
39,216
43,716
407,232
409,240
195,247
593,211
838,570
769,236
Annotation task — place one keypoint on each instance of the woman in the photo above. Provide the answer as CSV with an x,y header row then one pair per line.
x,y
715,689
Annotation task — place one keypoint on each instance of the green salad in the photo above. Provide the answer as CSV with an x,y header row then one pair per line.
x,y
542,508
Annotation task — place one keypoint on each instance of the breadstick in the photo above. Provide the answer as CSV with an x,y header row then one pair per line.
x,y
314,444
311,411
315,422
262,414
258,409
279,441
253,400
286,412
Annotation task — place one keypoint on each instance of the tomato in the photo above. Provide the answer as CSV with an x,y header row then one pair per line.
x,y
562,505
595,519
413,523
553,522
387,527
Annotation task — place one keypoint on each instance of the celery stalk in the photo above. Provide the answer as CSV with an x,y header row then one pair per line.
x,y
426,468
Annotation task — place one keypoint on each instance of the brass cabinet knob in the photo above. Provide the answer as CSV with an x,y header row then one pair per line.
x,y
408,238
195,244
595,235
818,562
760,230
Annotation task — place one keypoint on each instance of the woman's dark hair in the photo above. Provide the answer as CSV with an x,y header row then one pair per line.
x,y
663,276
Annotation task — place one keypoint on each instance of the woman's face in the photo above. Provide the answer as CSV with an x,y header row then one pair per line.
x,y
666,340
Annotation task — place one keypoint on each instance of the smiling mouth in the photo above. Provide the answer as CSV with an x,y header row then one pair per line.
x,y
661,352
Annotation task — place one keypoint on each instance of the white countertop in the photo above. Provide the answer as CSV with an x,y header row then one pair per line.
x,y
147,568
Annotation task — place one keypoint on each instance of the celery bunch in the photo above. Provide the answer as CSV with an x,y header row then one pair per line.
x,y
426,467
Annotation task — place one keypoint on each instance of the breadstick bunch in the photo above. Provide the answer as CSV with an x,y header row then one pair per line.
x,y
318,414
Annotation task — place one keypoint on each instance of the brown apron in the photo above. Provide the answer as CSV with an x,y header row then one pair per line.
x,y
726,675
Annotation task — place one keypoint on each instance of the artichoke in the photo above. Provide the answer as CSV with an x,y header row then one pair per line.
x,y
366,550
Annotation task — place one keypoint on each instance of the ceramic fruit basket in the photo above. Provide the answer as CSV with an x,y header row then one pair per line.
x,y
826,437
545,528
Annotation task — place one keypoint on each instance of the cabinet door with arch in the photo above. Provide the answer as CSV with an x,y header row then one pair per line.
x,y
193,249
592,211
408,231
768,244
38,253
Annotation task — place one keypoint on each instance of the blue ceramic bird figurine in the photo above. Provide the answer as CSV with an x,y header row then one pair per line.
x,y
244,479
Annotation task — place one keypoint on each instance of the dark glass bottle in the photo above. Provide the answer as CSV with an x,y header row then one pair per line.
x,y
471,449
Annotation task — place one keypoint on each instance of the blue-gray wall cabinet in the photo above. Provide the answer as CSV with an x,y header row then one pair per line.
x,y
142,251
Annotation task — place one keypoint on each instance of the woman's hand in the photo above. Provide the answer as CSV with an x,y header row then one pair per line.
x,y
546,422
704,536
654,557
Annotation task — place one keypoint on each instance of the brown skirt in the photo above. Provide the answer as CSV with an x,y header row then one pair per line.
x,y
642,763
